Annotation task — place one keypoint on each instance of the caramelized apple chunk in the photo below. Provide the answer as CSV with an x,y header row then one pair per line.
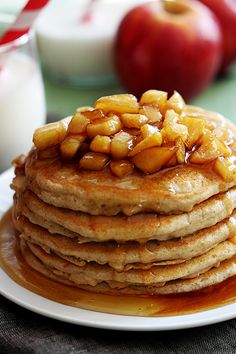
x,y
121,168
210,149
152,113
131,120
94,114
180,153
153,159
94,161
123,103
78,123
225,168
101,143
156,97
172,130
50,134
152,140
175,102
71,145
172,162
121,145
170,117
147,130
195,130
105,126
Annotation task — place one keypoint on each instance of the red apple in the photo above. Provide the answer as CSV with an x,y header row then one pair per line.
x,y
168,45
225,10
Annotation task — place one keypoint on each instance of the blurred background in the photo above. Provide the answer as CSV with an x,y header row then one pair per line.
x,y
90,48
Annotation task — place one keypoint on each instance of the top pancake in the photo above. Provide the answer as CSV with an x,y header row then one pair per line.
x,y
169,191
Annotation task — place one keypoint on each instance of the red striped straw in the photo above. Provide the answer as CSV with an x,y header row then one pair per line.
x,y
23,21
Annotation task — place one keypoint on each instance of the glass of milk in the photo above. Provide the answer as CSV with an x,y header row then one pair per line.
x,y
76,39
22,101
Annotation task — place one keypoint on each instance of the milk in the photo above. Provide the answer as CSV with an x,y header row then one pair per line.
x,y
76,51
22,105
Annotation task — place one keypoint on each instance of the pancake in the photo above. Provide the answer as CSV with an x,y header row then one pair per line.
x,y
20,208
93,273
128,255
169,191
141,227
213,276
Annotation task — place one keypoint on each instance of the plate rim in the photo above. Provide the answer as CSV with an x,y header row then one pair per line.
x,y
48,308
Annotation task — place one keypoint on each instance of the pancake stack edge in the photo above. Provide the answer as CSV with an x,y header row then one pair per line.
x,y
148,252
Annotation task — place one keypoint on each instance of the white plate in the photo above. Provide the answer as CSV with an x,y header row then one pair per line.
x,y
36,303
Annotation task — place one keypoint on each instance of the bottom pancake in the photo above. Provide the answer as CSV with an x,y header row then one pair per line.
x,y
215,275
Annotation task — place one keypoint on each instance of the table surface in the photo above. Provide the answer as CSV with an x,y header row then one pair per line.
x,y
22,331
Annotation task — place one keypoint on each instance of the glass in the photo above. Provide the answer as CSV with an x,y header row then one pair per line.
x,y
76,40
22,100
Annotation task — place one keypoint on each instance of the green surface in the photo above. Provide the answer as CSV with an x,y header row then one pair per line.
x,y
221,96
63,100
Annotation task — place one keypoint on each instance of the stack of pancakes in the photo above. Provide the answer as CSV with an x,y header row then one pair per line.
x,y
170,232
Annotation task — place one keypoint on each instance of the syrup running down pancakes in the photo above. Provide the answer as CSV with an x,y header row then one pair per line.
x,y
130,197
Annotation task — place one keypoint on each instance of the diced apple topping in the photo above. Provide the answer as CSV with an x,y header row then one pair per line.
x,y
123,103
71,145
154,139
78,123
180,153
170,117
148,135
195,130
153,159
152,113
101,143
94,114
172,162
156,97
50,134
105,126
172,129
210,149
175,102
147,130
121,168
121,144
130,120
94,161
225,168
